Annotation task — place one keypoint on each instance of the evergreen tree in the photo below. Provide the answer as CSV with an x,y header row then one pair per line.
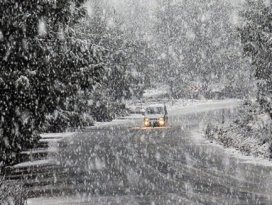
x,y
197,44
124,58
41,66
256,34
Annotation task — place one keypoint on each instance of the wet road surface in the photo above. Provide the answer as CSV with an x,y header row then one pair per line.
x,y
121,165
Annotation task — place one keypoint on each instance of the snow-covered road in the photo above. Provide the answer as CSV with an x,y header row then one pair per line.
x,y
114,164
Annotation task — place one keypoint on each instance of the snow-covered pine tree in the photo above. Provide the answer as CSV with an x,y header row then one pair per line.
x,y
198,45
41,66
256,37
125,59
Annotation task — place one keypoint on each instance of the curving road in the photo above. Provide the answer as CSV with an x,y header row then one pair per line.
x,y
125,165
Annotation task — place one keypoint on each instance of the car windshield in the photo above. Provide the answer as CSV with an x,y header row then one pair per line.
x,y
154,110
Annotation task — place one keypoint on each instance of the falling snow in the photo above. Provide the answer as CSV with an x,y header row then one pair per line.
x,y
42,27
78,79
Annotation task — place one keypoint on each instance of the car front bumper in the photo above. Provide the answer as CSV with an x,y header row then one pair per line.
x,y
154,123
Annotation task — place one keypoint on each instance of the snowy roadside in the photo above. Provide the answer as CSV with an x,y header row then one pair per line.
x,y
249,133
199,138
196,106
196,135
180,107
44,155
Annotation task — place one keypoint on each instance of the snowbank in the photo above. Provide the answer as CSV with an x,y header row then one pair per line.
x,y
199,138
43,162
196,106
250,132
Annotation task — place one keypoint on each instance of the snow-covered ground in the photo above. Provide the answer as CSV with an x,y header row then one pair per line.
x,y
56,135
196,135
74,200
179,107
36,163
52,139
195,106
200,139
249,132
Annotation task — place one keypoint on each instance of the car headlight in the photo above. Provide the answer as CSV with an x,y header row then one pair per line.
x,y
146,122
161,121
